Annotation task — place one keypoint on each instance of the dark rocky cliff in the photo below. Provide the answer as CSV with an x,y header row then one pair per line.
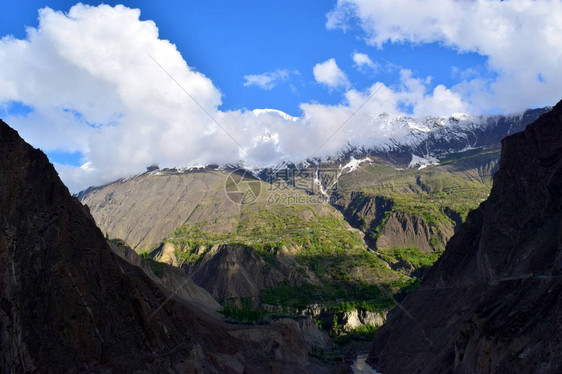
x,y
68,304
231,272
493,302
172,278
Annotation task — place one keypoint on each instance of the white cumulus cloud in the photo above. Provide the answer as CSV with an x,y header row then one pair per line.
x,y
363,61
330,74
522,40
94,88
267,81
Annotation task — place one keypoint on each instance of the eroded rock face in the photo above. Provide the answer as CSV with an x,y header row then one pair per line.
x,y
69,304
230,272
358,318
492,303
347,322
399,229
406,230
364,211
166,254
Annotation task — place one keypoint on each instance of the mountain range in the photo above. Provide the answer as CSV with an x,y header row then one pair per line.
x,y
430,241
367,226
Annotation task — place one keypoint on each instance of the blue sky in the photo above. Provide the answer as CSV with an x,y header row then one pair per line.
x,y
309,46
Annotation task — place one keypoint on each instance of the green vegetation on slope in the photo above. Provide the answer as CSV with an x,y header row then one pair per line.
x,y
337,271
340,296
414,256
461,181
331,258
156,267
364,333
440,195
246,313
429,192
271,228
316,236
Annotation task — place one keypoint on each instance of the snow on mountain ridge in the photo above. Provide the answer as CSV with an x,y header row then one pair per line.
x,y
259,112
353,164
401,140
422,162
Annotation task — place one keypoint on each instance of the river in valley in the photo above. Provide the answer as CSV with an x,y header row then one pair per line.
x,y
361,367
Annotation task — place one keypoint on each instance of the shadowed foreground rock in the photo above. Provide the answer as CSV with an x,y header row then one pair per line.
x,y
68,304
493,302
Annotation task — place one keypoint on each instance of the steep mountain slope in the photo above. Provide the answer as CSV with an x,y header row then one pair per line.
x,y
492,303
430,172
284,252
68,304
407,198
410,208
415,208
174,279
144,209
271,245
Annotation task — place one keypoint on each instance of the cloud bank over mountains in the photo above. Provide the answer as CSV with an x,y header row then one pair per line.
x,y
99,81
